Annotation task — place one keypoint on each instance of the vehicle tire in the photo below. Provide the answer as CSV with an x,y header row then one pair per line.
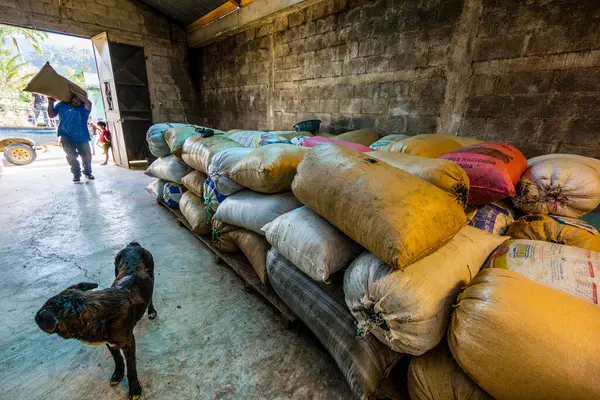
x,y
20,154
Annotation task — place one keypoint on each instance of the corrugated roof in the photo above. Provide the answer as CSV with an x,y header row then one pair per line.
x,y
184,11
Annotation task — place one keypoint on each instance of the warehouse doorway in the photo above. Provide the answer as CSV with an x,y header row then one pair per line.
x,y
124,87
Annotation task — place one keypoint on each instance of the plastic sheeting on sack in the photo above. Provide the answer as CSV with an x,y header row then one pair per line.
x,y
311,243
253,210
409,310
397,216
519,339
169,169
364,362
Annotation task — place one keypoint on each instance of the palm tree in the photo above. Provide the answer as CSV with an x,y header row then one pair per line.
x,y
12,33
13,74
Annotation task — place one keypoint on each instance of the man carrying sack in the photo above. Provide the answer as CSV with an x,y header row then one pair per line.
x,y
73,133
73,109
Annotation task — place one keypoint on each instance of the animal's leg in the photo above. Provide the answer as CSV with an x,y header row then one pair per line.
x,y
119,365
135,389
151,311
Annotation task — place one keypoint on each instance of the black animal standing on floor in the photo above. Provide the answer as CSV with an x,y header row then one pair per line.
x,y
107,316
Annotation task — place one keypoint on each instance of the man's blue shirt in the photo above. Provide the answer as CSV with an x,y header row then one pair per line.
x,y
73,122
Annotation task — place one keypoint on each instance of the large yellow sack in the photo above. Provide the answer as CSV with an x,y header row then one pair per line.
x,y
255,248
445,174
366,137
559,185
194,182
221,237
193,209
436,376
569,269
560,230
269,169
466,141
51,84
409,310
428,145
519,339
198,152
397,216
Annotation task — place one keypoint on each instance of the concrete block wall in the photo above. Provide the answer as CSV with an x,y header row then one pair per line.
x,y
524,72
351,64
171,90
536,76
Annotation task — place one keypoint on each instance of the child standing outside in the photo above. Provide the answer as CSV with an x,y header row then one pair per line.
x,y
105,140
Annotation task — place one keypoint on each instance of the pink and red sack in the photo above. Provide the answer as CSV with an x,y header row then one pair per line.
x,y
493,169
316,140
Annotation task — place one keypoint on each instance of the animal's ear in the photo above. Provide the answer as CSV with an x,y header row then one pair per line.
x,y
84,286
118,261
149,261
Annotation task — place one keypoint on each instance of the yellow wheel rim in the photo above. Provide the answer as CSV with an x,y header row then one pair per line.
x,y
20,154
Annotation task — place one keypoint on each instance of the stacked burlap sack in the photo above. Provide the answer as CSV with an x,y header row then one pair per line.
x,y
371,248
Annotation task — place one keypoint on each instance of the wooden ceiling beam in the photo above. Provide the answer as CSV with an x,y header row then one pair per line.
x,y
217,13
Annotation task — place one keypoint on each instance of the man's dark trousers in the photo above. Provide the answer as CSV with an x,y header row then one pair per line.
x,y
73,149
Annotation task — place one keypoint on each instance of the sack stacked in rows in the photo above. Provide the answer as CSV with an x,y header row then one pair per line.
x,y
168,138
364,362
395,215
519,339
560,184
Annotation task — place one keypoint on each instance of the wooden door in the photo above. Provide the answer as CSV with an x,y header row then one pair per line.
x,y
124,86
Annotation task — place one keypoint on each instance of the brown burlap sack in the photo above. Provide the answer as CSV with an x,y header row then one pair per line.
x,y
548,229
193,209
436,376
254,247
194,182
519,339
445,174
197,152
366,137
426,145
397,216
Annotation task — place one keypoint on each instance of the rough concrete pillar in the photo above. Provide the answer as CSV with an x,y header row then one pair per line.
x,y
271,84
460,67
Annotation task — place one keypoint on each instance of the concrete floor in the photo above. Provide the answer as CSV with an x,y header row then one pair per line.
x,y
211,339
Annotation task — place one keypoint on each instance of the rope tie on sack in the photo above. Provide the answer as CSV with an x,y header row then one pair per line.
x,y
208,210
